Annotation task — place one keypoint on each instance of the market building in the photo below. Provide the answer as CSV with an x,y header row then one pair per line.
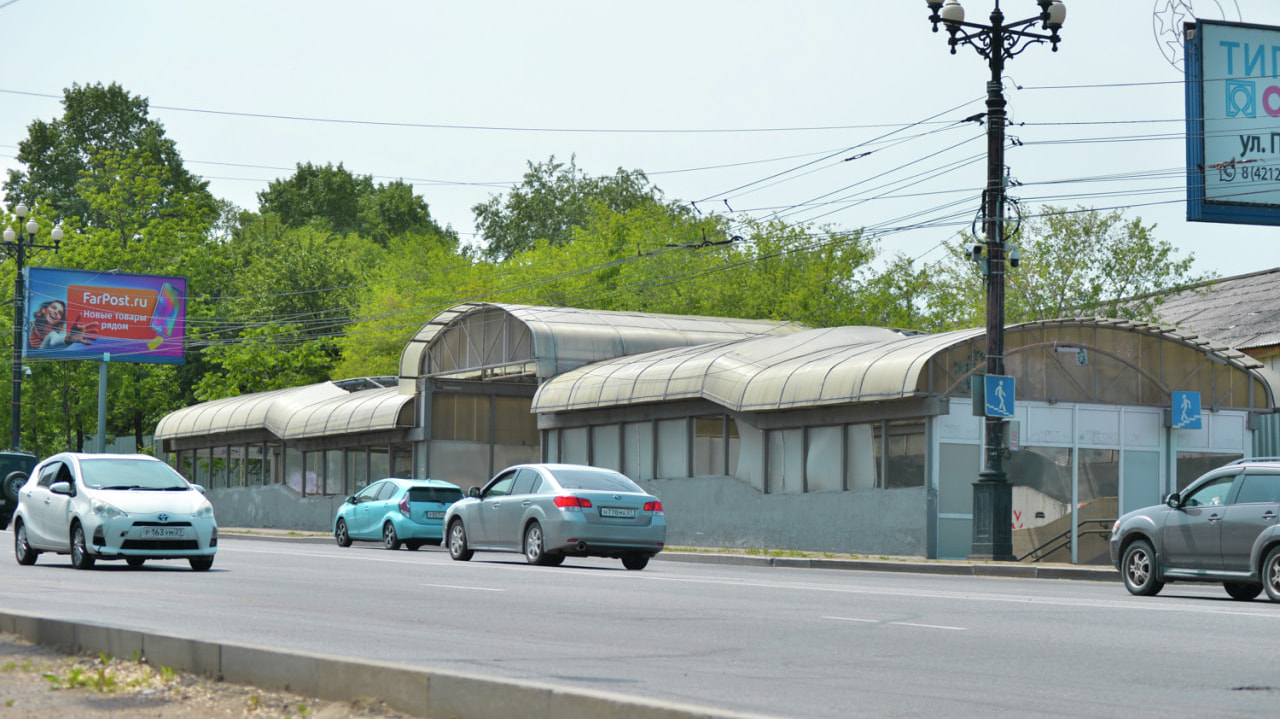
x,y
755,434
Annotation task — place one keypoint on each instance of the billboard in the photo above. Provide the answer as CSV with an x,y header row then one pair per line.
x,y
1233,122
76,314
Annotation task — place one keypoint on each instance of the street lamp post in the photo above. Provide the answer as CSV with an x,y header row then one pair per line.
x,y
997,42
16,245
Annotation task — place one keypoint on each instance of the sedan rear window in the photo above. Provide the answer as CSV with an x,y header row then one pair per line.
x,y
594,479
443,495
130,474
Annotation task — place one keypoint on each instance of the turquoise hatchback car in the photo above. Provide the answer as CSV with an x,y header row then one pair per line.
x,y
396,512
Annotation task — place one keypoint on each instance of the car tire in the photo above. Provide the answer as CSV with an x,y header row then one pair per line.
x,y
200,564
13,485
635,561
341,535
412,545
135,561
1138,569
535,550
389,538
457,540
1271,574
22,550
80,556
1242,591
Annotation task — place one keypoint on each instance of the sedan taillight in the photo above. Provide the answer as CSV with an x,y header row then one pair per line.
x,y
654,506
404,506
572,503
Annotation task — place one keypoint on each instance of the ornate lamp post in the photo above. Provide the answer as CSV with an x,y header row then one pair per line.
x,y
997,42
16,245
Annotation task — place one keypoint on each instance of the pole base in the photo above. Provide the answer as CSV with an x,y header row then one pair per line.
x,y
992,519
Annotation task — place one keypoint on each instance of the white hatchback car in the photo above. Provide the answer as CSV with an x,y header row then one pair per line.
x,y
113,506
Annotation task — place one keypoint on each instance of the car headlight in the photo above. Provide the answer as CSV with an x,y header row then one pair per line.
x,y
204,511
107,511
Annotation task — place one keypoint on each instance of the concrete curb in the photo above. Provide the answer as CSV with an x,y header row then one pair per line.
x,y
420,692
1008,570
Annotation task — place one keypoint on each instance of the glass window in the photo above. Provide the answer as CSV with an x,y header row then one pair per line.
x,y
1212,494
637,452
333,471
602,480
461,417
379,463
673,448
442,495
524,481
387,490
501,487
129,474
1099,474
515,422
905,465
708,446
1193,465
402,460
1259,488
370,493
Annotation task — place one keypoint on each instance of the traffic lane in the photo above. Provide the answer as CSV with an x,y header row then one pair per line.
x,y
789,642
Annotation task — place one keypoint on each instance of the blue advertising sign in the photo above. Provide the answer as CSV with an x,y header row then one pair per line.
x,y
999,393
1186,410
75,314
1233,123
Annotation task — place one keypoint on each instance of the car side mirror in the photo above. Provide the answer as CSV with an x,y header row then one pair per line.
x,y
62,488
474,492
1174,501
198,487
351,499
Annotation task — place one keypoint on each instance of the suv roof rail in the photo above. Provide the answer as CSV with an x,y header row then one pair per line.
x,y
1242,460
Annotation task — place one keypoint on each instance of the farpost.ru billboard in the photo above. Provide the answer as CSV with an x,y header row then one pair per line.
x,y
1233,122
75,314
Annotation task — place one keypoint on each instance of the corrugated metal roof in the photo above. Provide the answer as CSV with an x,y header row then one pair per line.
x,y
565,338
295,413
1241,311
841,365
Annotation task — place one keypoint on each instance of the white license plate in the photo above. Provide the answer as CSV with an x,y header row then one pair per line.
x,y
435,515
164,532
617,513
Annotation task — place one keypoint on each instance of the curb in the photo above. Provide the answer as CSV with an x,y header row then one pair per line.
x,y
420,692
1006,570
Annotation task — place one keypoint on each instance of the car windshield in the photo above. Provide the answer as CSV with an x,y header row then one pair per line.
x,y
597,479
443,495
112,473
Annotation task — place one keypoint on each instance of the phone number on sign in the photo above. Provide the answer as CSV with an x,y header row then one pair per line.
x,y
1249,173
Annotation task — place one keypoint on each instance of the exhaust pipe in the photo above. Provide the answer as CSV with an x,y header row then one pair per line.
x,y
582,546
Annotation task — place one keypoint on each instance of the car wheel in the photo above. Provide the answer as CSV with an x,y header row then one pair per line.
x,y
341,535
21,548
534,549
135,561
1244,591
1138,569
412,545
635,561
389,538
13,485
80,557
458,542
1271,574
201,564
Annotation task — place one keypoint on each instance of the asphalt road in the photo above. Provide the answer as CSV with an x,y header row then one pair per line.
x,y
786,642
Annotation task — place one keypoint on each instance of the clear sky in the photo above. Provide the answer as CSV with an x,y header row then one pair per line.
x,y
843,112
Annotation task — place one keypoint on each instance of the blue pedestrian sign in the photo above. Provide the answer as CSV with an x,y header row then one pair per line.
x,y
999,392
1186,410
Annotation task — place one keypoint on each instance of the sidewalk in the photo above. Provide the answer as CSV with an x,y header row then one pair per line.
x,y
796,560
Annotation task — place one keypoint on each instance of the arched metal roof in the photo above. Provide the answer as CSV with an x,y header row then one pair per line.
x,y
840,365
547,341
316,410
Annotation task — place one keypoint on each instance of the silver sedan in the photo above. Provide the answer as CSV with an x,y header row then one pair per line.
x,y
552,511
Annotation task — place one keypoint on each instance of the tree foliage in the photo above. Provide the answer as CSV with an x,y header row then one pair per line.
x,y
553,200
99,124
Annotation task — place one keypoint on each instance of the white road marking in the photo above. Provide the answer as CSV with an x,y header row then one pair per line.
x,y
901,624
461,586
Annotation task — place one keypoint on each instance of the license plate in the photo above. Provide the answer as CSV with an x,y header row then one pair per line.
x,y
435,515
164,532
617,513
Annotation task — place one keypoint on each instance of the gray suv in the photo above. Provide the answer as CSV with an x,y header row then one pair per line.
x,y
1222,528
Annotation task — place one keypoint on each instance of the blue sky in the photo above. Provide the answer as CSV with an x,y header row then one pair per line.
x,y
755,107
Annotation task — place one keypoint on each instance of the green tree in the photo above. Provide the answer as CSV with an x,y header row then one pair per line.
x,y
1074,263
98,122
553,199
334,199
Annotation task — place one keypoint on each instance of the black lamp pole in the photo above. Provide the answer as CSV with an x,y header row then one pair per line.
x,y
997,42
16,245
